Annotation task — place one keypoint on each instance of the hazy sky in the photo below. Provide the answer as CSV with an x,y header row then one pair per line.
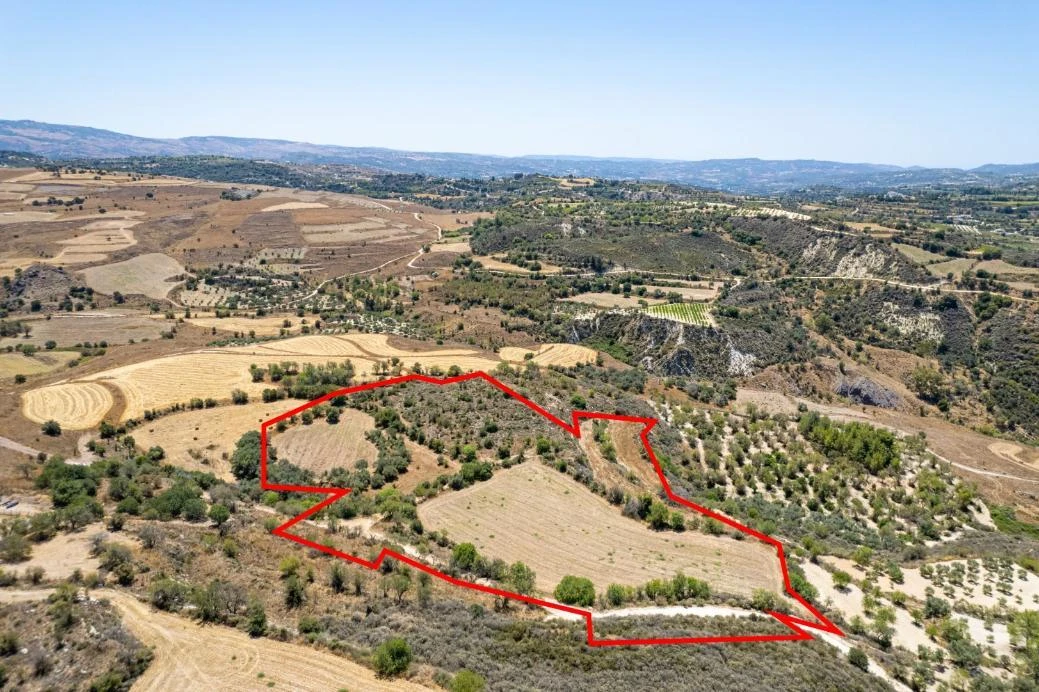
x,y
912,83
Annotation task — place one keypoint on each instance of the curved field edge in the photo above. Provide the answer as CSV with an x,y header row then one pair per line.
x,y
798,627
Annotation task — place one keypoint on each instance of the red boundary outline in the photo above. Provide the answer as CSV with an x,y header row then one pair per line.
x,y
795,624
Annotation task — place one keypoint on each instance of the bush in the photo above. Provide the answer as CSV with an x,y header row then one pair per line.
x,y
256,619
857,657
392,657
468,681
52,428
575,591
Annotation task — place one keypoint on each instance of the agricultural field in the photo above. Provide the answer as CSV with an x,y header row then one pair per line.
x,y
955,267
687,313
564,355
76,406
878,431
12,364
149,275
320,447
111,326
614,300
191,655
203,440
544,519
919,255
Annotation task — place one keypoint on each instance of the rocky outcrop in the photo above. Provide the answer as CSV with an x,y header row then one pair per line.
x,y
663,347
865,391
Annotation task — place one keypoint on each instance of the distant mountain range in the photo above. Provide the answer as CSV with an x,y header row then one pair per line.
x,y
733,175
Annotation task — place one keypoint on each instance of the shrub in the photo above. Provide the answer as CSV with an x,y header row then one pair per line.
x,y
857,657
575,591
256,619
51,428
392,657
468,681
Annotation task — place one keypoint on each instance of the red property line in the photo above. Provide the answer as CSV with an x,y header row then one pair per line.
x,y
796,625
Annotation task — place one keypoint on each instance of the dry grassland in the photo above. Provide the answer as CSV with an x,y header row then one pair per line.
x,y
12,364
263,326
956,266
919,255
320,447
1005,269
612,300
75,405
494,264
81,327
199,440
190,656
565,355
292,206
65,553
215,373
145,274
557,526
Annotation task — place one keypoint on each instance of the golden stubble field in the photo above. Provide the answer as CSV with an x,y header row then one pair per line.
x,y
81,403
545,519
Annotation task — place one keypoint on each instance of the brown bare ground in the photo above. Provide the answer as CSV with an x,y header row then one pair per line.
x,y
557,526
189,656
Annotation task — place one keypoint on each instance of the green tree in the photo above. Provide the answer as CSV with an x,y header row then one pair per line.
x,y
575,591
520,579
392,657
219,514
464,556
51,428
245,460
255,619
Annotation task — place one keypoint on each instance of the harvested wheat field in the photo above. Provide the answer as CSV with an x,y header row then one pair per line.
x,y
148,275
291,206
613,300
214,373
12,364
320,447
75,405
496,265
555,525
190,656
203,440
262,326
91,326
564,355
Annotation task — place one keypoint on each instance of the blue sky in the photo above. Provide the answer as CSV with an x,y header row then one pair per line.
x,y
911,83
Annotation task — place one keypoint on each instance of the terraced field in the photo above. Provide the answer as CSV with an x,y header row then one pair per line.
x,y
686,313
